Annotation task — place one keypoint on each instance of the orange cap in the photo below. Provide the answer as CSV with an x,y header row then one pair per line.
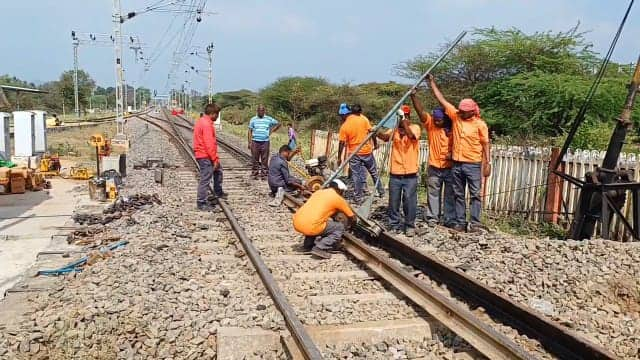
x,y
406,109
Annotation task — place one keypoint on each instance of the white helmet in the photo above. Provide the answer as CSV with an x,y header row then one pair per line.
x,y
339,184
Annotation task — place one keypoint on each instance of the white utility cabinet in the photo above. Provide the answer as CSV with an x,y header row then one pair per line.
x,y
5,134
40,131
24,133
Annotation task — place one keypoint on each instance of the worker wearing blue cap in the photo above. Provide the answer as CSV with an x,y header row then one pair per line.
x,y
354,131
438,126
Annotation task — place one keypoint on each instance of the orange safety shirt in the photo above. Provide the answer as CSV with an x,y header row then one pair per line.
x,y
353,132
468,136
311,219
404,152
440,143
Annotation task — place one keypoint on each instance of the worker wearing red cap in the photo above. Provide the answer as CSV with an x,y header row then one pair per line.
x,y
471,155
439,177
403,178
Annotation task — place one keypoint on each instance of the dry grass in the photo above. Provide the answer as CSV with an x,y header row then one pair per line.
x,y
73,144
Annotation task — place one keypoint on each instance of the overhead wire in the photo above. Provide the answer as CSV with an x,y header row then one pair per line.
x,y
580,116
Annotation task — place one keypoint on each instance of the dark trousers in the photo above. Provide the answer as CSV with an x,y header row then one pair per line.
x,y
206,173
438,207
329,237
403,189
359,165
467,174
260,155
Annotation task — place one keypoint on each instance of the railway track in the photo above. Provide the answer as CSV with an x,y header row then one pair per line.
x,y
389,271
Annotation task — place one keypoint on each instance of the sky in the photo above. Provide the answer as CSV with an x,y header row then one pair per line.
x,y
257,42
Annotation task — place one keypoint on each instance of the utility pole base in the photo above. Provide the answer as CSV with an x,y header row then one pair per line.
x,y
121,142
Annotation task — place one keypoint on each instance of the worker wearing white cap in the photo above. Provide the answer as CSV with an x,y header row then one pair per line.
x,y
313,219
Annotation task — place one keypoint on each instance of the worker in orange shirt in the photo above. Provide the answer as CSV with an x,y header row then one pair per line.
x,y
471,155
354,130
313,219
438,126
403,178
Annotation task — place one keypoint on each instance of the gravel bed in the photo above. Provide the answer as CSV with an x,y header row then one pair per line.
x,y
158,297
592,287
305,288
349,312
443,347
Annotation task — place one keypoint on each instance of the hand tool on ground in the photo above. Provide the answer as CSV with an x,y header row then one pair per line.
x,y
393,110
77,265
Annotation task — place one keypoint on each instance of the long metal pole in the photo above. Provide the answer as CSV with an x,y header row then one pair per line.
x,y
125,90
210,58
117,42
395,108
75,76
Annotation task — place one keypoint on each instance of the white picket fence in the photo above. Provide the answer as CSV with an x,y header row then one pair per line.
x,y
518,182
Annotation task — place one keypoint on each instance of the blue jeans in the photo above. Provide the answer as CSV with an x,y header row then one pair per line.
x,y
358,165
206,173
467,174
403,189
437,207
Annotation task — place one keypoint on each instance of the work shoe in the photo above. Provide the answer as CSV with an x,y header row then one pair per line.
x,y
477,228
205,207
397,231
432,222
410,232
277,200
223,195
309,243
459,228
317,252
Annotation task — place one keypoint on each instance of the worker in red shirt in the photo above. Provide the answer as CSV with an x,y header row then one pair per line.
x,y
205,147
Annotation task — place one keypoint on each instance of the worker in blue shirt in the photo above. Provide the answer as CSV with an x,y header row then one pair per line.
x,y
280,180
260,128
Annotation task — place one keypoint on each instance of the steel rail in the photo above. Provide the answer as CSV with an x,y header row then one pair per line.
x,y
555,338
481,336
300,335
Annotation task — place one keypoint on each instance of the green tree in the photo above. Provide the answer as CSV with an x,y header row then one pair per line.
x,y
65,87
494,54
293,96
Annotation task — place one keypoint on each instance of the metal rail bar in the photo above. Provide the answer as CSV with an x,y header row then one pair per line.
x,y
482,337
554,337
395,107
297,330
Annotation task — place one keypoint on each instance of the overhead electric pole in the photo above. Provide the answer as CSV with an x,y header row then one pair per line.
x,y
210,58
76,43
120,137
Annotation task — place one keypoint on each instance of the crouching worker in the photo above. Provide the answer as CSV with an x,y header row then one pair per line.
x,y
313,219
279,178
